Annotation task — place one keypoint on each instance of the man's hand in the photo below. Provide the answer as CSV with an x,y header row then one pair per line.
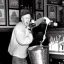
x,y
48,21
28,31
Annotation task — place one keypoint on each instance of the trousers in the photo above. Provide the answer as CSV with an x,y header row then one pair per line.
x,y
16,60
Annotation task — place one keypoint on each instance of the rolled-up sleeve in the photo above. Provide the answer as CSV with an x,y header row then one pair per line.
x,y
39,21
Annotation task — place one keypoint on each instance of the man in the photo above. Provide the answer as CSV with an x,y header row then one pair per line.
x,y
22,37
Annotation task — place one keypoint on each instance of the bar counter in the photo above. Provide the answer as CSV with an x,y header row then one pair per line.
x,y
56,57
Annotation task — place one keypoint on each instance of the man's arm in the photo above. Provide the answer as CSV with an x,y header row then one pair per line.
x,y
42,20
39,21
21,37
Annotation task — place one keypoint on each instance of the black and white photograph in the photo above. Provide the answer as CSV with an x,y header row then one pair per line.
x,y
39,14
2,17
56,2
31,31
2,12
39,4
13,3
2,3
52,12
13,17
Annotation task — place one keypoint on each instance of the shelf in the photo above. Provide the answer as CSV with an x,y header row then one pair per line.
x,y
53,4
56,55
57,52
6,29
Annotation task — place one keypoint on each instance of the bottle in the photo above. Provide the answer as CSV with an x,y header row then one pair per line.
x,y
53,24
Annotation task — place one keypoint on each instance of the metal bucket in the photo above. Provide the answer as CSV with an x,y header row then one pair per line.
x,y
39,54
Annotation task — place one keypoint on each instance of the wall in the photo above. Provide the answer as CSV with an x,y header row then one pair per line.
x,y
45,10
6,9
33,4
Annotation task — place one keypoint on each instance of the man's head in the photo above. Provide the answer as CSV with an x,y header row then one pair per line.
x,y
25,16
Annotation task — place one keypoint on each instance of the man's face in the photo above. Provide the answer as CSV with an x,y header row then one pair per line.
x,y
26,19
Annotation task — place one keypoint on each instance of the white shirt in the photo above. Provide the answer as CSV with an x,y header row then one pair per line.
x,y
20,41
